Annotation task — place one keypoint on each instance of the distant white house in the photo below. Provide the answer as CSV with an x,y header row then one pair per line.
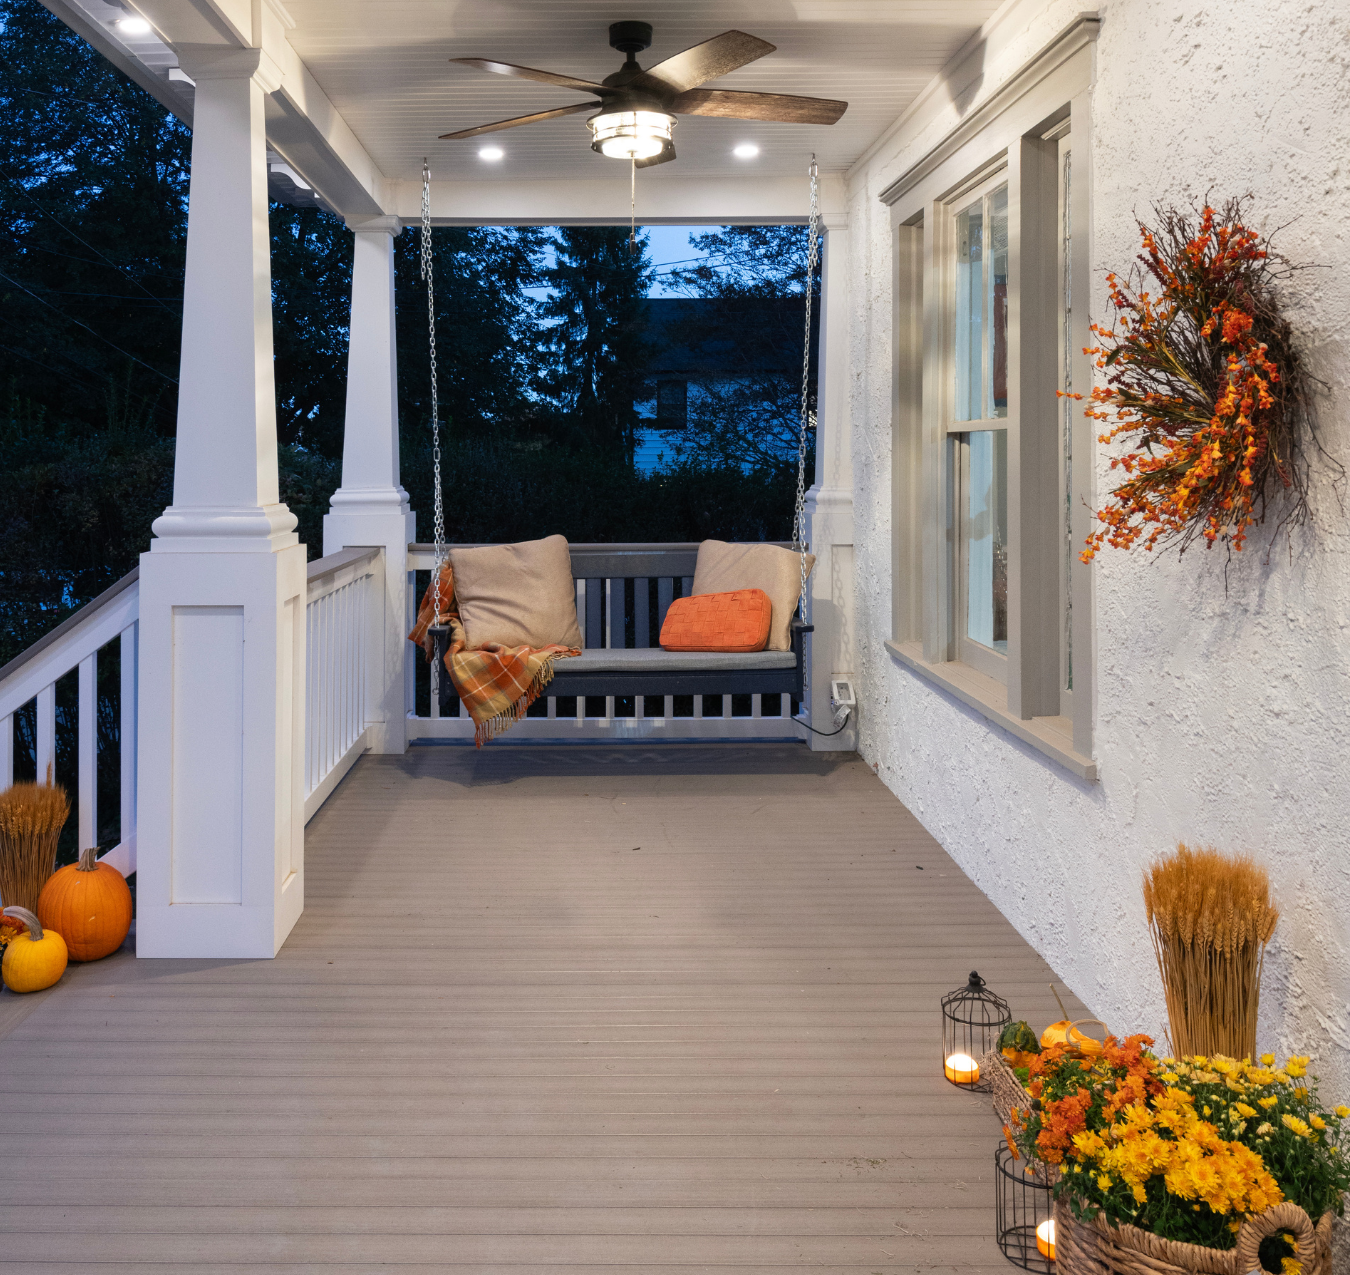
x,y
709,357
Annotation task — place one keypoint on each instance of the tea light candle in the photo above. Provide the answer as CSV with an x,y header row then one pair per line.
x,y
962,1069
1045,1239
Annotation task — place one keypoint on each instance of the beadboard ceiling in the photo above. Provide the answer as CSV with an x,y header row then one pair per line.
x,y
384,64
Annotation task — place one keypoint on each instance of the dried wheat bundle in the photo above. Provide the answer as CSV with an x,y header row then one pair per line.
x,y
31,819
1210,918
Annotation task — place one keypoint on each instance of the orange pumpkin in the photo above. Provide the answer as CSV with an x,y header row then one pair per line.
x,y
89,905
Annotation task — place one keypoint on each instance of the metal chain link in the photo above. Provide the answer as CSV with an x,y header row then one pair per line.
x,y
438,522
807,416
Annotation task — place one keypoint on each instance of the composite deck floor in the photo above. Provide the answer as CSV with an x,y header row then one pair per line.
x,y
627,1009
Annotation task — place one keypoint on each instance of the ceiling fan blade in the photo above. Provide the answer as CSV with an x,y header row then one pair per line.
x,y
663,158
778,107
703,62
518,121
529,73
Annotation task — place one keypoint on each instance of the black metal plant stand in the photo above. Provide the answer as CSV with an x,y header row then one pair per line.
x,y
1021,1203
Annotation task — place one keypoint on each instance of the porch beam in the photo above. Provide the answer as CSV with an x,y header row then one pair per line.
x,y
604,201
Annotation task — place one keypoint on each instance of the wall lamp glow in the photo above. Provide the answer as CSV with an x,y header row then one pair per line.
x,y
133,26
491,153
746,150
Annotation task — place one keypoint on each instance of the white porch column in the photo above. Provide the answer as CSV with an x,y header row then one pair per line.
x,y
371,507
220,845
829,503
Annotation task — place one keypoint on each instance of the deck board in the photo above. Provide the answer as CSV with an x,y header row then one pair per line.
x,y
628,1009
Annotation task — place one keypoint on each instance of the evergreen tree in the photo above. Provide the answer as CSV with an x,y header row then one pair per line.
x,y
598,337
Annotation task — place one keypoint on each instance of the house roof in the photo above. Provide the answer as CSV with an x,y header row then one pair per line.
x,y
706,336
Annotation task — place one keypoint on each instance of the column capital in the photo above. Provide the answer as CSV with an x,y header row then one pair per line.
x,y
375,225
219,62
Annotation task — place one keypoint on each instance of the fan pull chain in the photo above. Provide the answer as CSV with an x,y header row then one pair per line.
x,y
632,207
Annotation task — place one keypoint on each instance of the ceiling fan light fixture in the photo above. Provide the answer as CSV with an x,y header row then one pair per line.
x,y
631,134
491,153
746,150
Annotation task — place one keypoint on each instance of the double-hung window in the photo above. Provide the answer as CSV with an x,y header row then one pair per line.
x,y
992,475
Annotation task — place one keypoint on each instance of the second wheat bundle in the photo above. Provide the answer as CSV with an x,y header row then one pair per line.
x,y
31,819
1210,918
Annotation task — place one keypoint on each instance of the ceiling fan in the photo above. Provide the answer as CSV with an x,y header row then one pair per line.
x,y
637,108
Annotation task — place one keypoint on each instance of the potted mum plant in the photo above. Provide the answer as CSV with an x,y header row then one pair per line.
x,y
1187,1164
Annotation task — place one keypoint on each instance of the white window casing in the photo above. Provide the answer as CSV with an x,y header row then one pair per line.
x,y
1030,673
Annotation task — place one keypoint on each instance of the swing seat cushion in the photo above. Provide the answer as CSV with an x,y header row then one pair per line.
x,y
737,621
728,568
517,595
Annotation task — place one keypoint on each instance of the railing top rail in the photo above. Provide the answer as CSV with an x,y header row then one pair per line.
x,y
662,546
335,562
69,624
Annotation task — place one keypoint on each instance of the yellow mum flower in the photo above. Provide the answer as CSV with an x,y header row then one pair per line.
x,y
1268,1059
1267,1103
1104,1181
1300,1095
1244,1110
1265,1129
1317,1122
1290,1266
1297,1125
1343,1112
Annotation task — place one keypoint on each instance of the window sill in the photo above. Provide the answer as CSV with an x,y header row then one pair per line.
x,y
1052,736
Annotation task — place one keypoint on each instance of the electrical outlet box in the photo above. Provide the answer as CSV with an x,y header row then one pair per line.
x,y
841,691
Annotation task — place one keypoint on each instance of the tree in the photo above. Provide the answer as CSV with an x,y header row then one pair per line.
x,y
598,335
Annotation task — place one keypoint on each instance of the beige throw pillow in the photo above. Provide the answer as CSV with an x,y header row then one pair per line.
x,y
723,568
517,595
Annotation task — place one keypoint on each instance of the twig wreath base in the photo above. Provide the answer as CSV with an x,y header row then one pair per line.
x,y
1205,384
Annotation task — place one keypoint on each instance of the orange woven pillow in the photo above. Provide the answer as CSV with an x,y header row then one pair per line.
x,y
736,621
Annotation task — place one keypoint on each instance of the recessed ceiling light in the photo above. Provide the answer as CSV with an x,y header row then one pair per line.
x,y
491,153
133,26
746,150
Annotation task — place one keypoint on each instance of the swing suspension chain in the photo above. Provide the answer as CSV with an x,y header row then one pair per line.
x,y
807,416
438,523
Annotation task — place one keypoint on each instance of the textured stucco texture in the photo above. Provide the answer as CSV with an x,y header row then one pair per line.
x,y
1221,686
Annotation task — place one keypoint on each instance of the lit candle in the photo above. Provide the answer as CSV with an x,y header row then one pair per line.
x,y
1045,1238
962,1069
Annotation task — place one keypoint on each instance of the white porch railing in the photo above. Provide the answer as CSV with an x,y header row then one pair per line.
x,y
32,678
607,620
343,625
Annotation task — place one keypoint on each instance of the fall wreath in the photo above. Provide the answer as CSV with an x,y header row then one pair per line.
x,y
1205,384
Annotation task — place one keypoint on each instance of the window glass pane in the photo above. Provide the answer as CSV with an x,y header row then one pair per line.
x,y
969,312
998,303
987,539
1066,326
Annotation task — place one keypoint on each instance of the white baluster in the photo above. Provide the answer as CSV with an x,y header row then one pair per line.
x,y
127,741
87,724
7,750
46,733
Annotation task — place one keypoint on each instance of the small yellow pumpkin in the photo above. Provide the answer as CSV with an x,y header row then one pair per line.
x,y
90,903
34,960
1065,1032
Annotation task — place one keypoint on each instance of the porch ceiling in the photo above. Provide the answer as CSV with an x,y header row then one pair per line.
x,y
384,65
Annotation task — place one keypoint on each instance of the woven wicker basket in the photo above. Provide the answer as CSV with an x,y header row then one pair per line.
x,y
1004,1087
1097,1248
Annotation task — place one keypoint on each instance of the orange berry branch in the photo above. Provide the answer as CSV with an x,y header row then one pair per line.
x,y
1204,384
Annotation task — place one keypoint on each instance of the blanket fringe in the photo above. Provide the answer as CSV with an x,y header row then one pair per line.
x,y
485,732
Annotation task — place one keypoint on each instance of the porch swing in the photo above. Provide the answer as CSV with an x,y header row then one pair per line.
x,y
643,670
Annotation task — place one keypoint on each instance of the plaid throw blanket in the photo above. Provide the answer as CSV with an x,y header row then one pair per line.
x,y
496,684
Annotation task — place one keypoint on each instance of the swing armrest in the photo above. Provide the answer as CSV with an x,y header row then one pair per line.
x,y
796,636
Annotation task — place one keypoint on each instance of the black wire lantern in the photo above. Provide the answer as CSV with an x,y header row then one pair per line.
x,y
972,1018
1023,1214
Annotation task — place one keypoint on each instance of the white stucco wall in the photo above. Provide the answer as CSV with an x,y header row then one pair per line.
x,y
1220,715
